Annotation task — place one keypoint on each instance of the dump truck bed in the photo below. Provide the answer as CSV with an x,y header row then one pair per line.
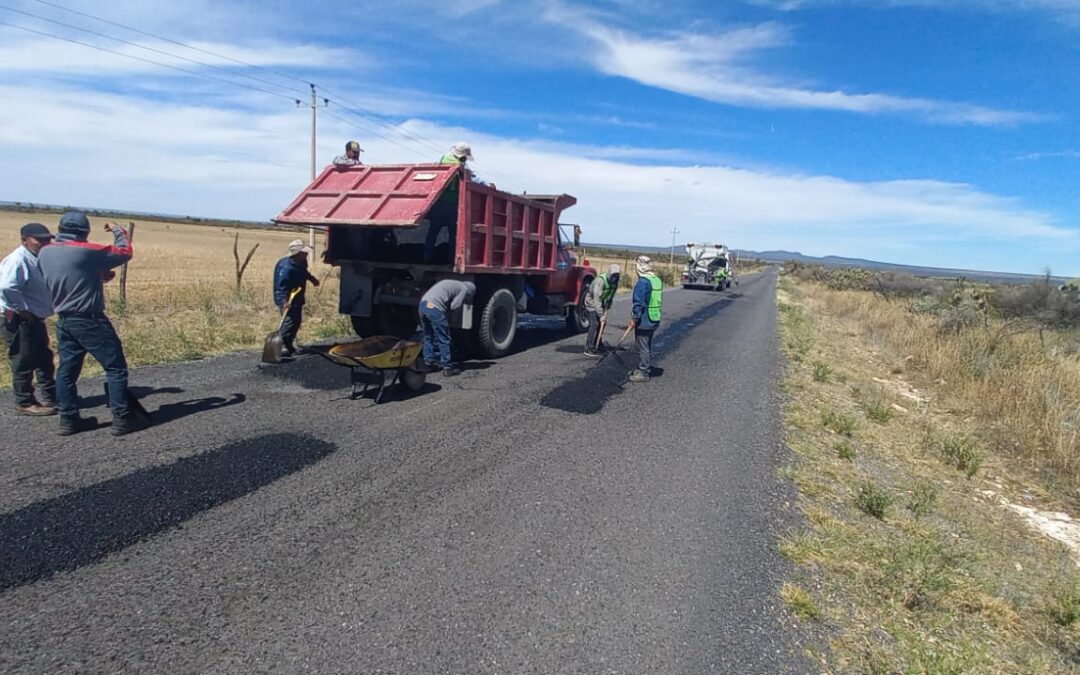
x,y
496,232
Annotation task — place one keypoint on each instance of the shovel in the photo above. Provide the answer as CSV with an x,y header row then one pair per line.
x,y
274,346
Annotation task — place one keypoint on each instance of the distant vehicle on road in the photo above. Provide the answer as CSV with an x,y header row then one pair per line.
x,y
709,266
395,230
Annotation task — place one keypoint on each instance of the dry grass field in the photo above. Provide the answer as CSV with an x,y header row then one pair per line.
x,y
182,301
931,467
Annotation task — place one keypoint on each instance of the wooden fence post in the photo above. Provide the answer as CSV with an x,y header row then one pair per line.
x,y
124,267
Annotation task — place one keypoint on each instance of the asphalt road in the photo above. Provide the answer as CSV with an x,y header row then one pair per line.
x,y
535,515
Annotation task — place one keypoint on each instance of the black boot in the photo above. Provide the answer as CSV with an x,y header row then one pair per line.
x,y
73,424
126,424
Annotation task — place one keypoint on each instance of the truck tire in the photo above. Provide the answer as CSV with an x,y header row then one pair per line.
x,y
577,317
364,326
498,324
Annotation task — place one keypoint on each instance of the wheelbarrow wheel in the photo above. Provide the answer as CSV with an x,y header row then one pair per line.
x,y
413,379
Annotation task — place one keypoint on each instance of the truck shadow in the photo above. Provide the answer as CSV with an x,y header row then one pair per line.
x,y
83,527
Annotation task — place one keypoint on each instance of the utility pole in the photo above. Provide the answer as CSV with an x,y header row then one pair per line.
x,y
671,259
314,126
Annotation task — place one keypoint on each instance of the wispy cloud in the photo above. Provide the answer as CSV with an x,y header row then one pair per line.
x,y
1060,154
1065,10
720,67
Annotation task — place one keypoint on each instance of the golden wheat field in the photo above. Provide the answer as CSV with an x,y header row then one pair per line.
x,y
182,300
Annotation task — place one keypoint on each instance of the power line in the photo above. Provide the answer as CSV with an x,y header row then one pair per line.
x,y
381,120
149,49
373,132
150,61
171,41
386,121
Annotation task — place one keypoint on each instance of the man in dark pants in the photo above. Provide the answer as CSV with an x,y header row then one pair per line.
x,y
597,303
26,303
290,273
75,271
435,308
645,316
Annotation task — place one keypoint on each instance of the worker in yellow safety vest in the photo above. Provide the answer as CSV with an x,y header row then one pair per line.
x,y
645,315
598,301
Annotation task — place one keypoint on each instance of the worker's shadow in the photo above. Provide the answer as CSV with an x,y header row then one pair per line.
x,y
138,392
170,412
476,365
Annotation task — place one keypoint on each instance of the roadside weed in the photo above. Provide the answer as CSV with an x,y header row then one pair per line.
x,y
923,496
821,372
960,451
799,601
840,423
873,500
844,451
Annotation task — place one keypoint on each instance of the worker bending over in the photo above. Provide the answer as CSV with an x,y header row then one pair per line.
x,y
645,315
597,303
436,306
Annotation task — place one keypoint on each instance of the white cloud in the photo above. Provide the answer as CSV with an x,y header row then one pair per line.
x,y
80,147
718,68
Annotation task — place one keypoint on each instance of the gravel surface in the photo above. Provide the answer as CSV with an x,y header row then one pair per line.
x,y
535,515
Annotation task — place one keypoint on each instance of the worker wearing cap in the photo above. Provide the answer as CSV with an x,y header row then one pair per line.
x,y
351,156
598,301
75,271
26,303
291,273
443,213
645,315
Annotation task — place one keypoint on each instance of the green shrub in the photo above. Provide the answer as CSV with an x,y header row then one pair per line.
x,y
960,451
841,423
821,372
873,500
844,451
923,496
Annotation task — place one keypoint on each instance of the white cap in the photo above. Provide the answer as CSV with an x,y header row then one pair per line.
x,y
298,246
461,149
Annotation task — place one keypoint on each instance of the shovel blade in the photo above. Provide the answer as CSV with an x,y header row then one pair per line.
x,y
273,348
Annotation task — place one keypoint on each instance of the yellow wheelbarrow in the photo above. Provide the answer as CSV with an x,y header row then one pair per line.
x,y
385,357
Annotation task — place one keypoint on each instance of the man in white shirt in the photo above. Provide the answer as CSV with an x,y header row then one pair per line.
x,y
26,303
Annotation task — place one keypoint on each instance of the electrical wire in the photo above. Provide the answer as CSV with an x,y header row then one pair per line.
x,y
172,41
150,49
342,102
150,61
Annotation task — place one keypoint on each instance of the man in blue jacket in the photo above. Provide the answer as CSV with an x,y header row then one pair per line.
x,y
645,315
290,273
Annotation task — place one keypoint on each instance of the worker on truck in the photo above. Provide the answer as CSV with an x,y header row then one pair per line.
x,y
443,214
645,315
436,305
597,303
351,156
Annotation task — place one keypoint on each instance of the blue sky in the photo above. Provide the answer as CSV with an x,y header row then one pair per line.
x,y
935,132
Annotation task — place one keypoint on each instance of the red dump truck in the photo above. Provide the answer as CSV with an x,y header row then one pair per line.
x,y
395,230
